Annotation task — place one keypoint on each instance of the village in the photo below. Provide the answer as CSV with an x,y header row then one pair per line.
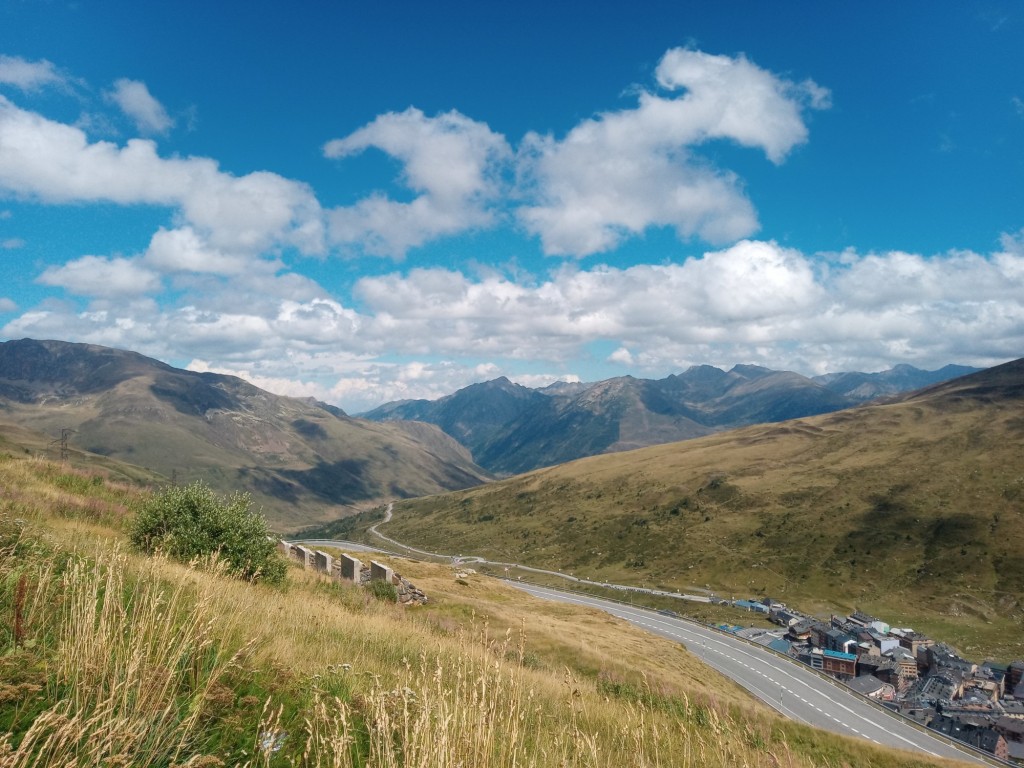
x,y
915,675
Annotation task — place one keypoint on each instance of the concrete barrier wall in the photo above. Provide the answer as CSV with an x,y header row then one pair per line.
x,y
350,568
305,556
381,572
322,562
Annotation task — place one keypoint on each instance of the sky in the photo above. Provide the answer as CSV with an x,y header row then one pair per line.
x,y
366,202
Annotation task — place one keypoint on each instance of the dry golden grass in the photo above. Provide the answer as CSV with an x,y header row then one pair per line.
x,y
149,662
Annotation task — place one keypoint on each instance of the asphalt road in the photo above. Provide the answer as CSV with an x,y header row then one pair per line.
x,y
348,546
787,686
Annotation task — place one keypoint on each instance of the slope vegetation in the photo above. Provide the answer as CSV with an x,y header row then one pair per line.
x,y
112,658
910,509
300,459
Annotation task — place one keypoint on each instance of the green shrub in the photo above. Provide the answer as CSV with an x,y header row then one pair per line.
x,y
192,521
384,591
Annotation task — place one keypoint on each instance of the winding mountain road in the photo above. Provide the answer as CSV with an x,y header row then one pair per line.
x,y
786,685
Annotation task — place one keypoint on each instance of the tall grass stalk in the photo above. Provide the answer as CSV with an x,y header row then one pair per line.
x,y
132,664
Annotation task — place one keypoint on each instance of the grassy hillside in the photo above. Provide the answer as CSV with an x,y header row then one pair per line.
x,y
301,460
912,510
108,658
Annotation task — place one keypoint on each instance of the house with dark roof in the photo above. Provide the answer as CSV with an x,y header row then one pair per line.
x,y
932,689
871,686
913,641
987,739
783,616
944,657
1015,674
885,669
861,619
1011,727
990,741
838,640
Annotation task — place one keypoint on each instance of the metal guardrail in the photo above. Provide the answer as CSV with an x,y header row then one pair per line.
x,y
955,743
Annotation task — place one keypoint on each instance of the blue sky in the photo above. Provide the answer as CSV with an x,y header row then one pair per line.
x,y
365,204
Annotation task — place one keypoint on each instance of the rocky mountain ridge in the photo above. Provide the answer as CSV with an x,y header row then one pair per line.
x,y
510,428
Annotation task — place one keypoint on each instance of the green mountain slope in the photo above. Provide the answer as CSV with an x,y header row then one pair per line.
x,y
301,460
912,509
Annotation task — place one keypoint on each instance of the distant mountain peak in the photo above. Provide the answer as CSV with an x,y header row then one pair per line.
x,y
512,428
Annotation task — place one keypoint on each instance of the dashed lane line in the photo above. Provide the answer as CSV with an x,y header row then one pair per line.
x,y
664,627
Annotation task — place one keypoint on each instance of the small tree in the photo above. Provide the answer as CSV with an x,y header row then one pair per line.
x,y
192,521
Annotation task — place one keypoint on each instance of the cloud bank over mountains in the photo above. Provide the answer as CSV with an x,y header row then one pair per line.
x,y
223,282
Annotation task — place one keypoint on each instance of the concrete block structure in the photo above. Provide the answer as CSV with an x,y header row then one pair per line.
x,y
350,568
322,562
303,555
381,572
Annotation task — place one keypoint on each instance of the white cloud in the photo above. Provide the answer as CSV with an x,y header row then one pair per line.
x,y
617,174
431,331
135,100
12,243
274,384
52,162
452,162
102,277
183,250
538,380
29,75
622,356
8,305
1013,242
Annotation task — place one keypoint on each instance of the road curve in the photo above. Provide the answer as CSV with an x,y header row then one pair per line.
x,y
785,685
349,546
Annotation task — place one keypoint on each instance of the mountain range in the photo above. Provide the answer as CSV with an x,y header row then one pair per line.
x,y
302,460
510,428
306,461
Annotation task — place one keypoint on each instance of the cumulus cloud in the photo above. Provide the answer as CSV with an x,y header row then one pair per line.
x,y
28,75
747,286
431,331
616,174
134,99
102,277
454,165
622,356
52,162
8,305
183,250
